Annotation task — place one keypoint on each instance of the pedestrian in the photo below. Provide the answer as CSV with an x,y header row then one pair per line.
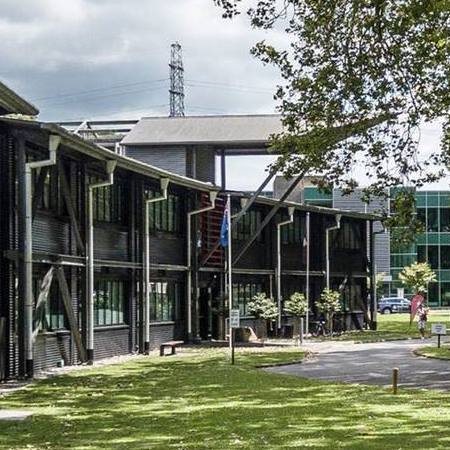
x,y
422,312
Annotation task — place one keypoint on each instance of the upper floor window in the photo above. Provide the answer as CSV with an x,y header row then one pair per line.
x,y
243,293
165,215
108,204
291,233
247,225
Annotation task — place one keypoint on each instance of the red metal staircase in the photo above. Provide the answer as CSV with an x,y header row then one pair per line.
x,y
210,226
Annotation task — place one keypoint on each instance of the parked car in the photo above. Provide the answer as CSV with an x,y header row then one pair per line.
x,y
393,305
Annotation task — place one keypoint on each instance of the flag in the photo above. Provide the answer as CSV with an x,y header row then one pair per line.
x,y
416,301
224,228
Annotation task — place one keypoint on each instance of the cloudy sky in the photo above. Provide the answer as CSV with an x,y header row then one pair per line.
x,y
108,59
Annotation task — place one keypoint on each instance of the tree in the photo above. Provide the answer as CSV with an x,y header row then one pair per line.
x,y
297,306
349,62
264,309
329,303
417,277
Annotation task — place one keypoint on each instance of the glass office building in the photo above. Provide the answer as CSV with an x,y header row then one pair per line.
x,y
432,246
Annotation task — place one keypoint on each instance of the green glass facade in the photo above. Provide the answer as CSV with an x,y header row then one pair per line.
x,y
432,246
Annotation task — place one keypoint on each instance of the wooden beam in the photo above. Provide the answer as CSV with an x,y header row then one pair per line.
x,y
70,206
39,189
73,325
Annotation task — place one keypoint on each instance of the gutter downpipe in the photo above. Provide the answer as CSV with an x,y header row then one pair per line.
x,y
291,211
307,272
327,247
374,278
164,185
54,141
212,199
110,166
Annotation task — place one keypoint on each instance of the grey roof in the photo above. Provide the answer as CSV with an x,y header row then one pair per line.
x,y
12,103
93,150
232,129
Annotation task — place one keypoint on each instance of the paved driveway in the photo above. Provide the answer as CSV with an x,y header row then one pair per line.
x,y
372,364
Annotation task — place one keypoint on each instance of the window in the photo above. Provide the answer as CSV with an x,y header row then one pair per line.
x,y
444,220
107,202
165,300
165,215
445,256
432,216
52,313
109,302
51,199
243,294
247,225
292,233
422,216
421,253
347,235
402,260
445,294
433,256
433,293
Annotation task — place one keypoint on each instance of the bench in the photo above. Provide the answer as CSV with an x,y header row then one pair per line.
x,y
172,344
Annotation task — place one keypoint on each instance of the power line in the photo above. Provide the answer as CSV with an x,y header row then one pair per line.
x,y
71,94
97,97
229,85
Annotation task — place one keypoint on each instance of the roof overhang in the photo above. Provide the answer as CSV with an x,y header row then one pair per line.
x,y
12,103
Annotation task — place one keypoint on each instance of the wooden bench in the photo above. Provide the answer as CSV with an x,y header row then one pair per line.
x,y
172,344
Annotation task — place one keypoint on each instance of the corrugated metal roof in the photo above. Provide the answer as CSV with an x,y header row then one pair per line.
x,y
12,103
232,129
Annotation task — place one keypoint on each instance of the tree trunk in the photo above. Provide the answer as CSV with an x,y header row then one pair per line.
x,y
330,321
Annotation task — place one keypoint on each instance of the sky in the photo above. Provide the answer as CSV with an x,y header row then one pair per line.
x,y
108,59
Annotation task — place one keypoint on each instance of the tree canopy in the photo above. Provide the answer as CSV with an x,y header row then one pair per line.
x,y
350,62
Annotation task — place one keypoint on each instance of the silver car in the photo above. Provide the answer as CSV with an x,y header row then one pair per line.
x,y
393,305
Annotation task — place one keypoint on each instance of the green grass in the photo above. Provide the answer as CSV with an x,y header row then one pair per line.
x,y
394,326
203,403
435,352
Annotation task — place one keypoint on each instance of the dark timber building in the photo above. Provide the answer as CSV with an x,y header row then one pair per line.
x,y
73,292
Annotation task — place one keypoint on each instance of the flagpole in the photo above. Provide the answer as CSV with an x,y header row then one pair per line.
x,y
307,272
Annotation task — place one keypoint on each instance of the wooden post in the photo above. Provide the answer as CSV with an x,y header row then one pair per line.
x,y
73,325
395,381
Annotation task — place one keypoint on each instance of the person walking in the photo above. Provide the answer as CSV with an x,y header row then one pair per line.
x,y
423,318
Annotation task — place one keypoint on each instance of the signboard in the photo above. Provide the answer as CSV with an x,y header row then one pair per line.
x,y
400,292
387,278
438,328
234,318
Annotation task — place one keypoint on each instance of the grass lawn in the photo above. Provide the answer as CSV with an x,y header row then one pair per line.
x,y
394,326
435,352
193,403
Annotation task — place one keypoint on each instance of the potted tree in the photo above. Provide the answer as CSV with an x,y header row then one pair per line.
x,y
264,309
297,306
328,304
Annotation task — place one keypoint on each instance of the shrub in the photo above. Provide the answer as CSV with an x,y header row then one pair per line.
x,y
296,305
263,307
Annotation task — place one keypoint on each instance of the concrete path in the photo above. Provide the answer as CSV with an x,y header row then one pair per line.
x,y
372,364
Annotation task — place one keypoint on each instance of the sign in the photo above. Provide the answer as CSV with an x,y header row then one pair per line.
x,y
438,328
400,292
234,318
387,278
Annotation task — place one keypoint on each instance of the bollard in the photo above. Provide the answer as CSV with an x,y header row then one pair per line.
x,y
395,381
301,330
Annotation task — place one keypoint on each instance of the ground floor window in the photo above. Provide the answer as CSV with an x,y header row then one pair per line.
x,y
109,302
243,294
165,300
52,315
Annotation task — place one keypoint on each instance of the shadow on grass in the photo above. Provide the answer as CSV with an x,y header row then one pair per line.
x,y
204,403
